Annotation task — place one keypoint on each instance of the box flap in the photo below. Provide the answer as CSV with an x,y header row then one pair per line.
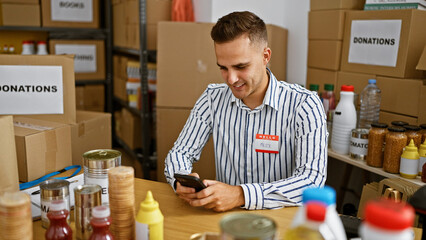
x,y
27,126
422,62
67,63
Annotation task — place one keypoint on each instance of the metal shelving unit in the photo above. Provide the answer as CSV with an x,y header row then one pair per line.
x,y
147,160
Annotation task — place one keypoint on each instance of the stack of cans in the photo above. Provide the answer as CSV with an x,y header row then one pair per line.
x,y
15,216
122,202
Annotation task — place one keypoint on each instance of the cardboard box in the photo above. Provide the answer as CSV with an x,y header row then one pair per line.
x,y
67,63
370,191
118,25
384,56
120,66
337,4
321,77
192,40
324,54
92,131
170,122
77,14
130,129
358,80
90,96
117,123
120,90
89,57
42,147
11,14
388,117
8,161
326,25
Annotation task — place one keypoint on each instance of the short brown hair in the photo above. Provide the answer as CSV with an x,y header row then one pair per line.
x,y
235,24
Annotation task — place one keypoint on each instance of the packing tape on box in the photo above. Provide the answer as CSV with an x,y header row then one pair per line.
x,y
51,150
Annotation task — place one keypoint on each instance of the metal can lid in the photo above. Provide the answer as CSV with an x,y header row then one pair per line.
x,y
102,158
88,195
53,188
423,126
248,226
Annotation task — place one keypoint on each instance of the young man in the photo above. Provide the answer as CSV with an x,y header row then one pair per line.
x,y
270,137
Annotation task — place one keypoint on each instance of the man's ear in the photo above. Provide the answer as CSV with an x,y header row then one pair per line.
x,y
266,55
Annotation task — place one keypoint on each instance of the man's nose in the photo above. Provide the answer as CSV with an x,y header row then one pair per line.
x,y
232,77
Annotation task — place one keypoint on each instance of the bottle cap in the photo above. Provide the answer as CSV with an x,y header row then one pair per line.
x,y
326,195
315,211
149,204
411,147
313,87
388,214
329,87
41,42
399,123
57,205
423,126
370,81
412,127
379,125
347,88
396,129
100,212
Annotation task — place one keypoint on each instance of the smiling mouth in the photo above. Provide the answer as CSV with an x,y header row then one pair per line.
x,y
239,86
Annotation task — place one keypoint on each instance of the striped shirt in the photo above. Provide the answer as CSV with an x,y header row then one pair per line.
x,y
269,180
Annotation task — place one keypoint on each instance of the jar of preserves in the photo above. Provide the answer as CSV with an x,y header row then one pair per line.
x,y
376,141
423,132
399,123
395,140
413,132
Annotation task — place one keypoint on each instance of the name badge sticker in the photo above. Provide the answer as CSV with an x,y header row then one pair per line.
x,y
266,143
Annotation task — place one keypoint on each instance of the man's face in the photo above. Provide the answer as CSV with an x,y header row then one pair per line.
x,y
243,67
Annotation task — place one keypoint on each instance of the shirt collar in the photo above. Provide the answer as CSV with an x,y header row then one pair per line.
x,y
271,95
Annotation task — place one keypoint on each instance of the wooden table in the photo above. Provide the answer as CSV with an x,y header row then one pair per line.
x,y
182,220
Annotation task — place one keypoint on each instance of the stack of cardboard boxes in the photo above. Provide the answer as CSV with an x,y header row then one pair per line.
x,y
186,65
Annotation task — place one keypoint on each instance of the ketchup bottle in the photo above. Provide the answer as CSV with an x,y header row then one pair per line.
x,y
100,223
58,227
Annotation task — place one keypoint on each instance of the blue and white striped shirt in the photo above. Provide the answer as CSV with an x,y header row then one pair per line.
x,y
269,180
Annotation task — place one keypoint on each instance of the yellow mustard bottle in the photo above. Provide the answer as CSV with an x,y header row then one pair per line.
x,y
422,153
149,220
409,167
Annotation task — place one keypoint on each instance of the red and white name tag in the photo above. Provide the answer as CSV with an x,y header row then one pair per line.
x,y
266,143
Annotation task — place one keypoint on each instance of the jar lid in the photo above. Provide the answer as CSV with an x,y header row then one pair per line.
x,y
379,125
412,127
396,129
399,123
370,81
423,126
347,88
390,215
329,87
313,87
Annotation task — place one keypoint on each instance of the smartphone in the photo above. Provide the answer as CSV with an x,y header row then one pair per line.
x,y
190,181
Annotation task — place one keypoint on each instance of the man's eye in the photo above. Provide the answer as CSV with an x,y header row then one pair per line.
x,y
240,67
223,68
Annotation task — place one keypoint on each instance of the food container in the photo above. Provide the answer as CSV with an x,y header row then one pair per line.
x,y
86,198
50,190
245,226
376,144
396,140
358,147
413,132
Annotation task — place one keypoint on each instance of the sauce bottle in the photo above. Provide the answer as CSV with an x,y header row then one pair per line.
x,y
409,165
149,221
100,222
58,228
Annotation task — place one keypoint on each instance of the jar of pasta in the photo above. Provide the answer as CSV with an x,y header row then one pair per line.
x,y
413,132
395,140
376,140
423,132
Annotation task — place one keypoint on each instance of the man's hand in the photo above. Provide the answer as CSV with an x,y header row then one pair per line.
x,y
217,196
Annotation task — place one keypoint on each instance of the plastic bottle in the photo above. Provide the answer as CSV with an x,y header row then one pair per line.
x,y
328,99
58,228
11,49
100,223
422,155
27,48
149,220
344,120
386,219
41,48
314,88
313,228
370,104
409,166
327,196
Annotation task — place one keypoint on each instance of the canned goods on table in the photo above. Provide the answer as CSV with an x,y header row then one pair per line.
x,y
245,226
358,147
86,198
50,190
96,165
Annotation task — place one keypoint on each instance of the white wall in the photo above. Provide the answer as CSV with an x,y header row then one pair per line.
x,y
289,14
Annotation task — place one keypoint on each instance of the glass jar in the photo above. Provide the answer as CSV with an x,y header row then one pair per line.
x,y
399,123
413,132
395,140
376,141
423,132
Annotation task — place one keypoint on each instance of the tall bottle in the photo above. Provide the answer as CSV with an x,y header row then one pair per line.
x,y
344,120
149,221
328,99
58,228
370,104
100,223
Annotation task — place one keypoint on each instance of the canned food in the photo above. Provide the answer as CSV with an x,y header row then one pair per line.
x,y
86,198
358,147
245,226
96,165
50,190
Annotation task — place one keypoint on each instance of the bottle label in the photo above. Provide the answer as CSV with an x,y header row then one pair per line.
x,y
103,182
409,166
142,231
358,146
